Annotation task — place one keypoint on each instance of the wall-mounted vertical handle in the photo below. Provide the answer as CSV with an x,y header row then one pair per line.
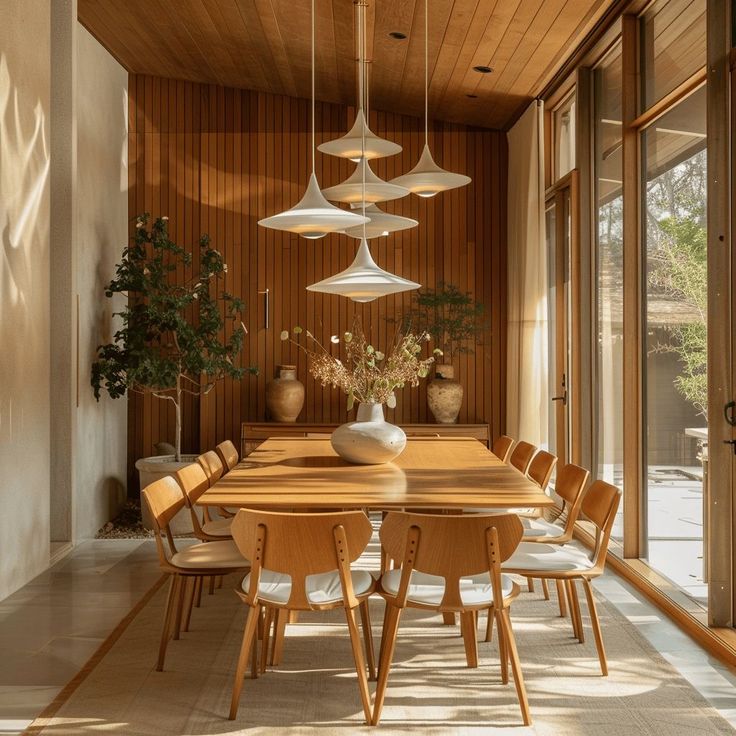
x,y
266,295
728,413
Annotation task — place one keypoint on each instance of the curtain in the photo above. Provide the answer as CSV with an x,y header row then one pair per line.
x,y
528,397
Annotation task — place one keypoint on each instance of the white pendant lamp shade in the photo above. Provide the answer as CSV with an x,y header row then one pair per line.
x,y
359,142
313,217
363,186
427,179
363,281
381,223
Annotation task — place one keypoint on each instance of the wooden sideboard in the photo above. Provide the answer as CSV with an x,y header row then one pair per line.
x,y
253,434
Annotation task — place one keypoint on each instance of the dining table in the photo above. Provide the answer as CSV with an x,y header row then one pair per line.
x,y
448,473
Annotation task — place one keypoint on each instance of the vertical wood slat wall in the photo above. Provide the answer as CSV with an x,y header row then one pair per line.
x,y
216,160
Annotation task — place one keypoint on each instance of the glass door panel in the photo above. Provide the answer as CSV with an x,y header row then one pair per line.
x,y
675,342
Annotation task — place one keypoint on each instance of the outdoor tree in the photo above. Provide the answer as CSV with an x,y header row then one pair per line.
x,y
172,340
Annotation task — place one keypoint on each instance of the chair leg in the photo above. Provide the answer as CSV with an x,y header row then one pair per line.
x,y
571,608
219,581
448,618
505,621
545,589
190,585
596,624
578,616
365,695
282,617
198,592
469,638
530,584
268,621
179,602
503,650
489,625
390,629
212,585
370,652
166,630
561,598
251,625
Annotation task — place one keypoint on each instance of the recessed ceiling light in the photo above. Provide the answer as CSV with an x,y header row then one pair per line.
x,y
472,97
483,69
397,35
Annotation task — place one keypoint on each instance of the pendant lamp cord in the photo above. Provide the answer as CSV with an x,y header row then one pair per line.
x,y
313,87
426,72
361,43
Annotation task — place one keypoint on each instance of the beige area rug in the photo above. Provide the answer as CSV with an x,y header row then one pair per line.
x,y
430,691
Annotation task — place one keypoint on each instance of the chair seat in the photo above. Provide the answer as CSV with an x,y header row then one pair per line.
x,y
521,512
429,590
547,558
218,527
324,588
210,555
541,528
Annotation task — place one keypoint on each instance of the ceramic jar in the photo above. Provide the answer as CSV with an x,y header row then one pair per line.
x,y
285,395
370,439
444,395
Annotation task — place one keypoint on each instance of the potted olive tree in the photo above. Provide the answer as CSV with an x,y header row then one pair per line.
x,y
454,320
171,342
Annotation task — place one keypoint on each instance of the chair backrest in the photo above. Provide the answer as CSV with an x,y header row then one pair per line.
x,y
226,450
452,547
165,500
541,467
502,447
193,481
212,466
522,456
298,545
600,505
570,487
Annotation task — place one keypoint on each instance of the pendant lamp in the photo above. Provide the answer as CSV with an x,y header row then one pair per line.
x,y
427,179
364,280
313,217
381,223
363,186
360,140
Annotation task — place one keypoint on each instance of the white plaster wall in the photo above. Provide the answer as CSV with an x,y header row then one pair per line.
x,y
24,291
102,232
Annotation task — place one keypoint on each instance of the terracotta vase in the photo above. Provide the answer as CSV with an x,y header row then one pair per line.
x,y
285,395
370,439
444,395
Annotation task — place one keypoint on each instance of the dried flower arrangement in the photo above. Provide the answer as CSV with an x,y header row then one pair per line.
x,y
367,376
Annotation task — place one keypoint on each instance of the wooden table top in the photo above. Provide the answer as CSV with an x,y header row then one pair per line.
x,y
447,473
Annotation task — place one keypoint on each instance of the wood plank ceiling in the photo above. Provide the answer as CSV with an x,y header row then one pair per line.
x,y
264,45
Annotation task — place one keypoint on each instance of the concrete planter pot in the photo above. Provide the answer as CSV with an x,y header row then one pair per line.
x,y
285,395
156,467
370,440
444,395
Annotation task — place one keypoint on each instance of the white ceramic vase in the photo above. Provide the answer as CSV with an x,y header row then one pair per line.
x,y
370,439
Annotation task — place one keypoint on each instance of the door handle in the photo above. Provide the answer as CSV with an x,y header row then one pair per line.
x,y
732,443
728,413
562,398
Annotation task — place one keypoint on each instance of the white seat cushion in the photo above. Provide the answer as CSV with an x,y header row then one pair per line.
x,y
541,528
218,527
429,590
547,557
210,554
275,587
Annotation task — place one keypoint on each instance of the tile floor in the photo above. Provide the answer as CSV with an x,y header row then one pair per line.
x,y
50,627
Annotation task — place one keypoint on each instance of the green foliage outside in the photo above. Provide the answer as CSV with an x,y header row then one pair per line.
x,y
451,317
676,237
172,340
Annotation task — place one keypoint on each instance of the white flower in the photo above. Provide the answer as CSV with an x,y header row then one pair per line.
x,y
284,334
334,339
165,218
224,267
195,296
139,224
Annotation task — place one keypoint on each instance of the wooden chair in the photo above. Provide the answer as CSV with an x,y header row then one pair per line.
x,y
502,447
212,465
568,564
522,456
569,486
228,454
450,564
194,482
541,468
301,562
164,500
